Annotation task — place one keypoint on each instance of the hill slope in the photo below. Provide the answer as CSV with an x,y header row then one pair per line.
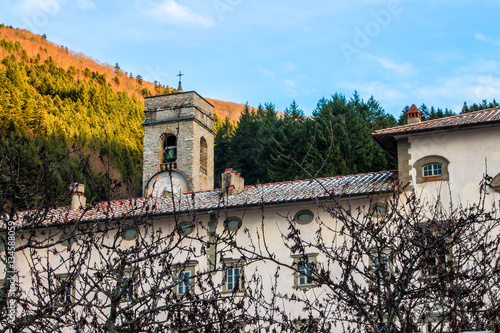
x,y
73,99
119,79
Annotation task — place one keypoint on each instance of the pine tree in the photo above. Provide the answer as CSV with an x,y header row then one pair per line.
x,y
223,158
290,145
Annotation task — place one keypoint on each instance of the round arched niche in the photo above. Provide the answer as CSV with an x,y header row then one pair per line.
x,y
431,160
163,183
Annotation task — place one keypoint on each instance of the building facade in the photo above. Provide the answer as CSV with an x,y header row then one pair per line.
x,y
290,256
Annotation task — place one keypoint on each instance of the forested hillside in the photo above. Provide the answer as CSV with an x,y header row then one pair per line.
x,y
334,141
73,101
73,107
64,109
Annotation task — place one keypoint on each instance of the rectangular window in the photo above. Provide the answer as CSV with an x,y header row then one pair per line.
x,y
64,290
184,279
436,260
184,276
305,268
233,275
233,278
379,263
306,325
435,322
2,286
305,272
234,328
129,285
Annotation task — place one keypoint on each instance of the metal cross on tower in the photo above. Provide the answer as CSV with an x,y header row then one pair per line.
x,y
179,89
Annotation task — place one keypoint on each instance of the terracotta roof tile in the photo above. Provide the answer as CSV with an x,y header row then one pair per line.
x,y
471,118
360,184
386,137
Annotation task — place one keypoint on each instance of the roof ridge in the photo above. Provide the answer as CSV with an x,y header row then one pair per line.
x,y
294,181
321,178
460,115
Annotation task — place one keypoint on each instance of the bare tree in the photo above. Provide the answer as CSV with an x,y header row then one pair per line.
x,y
109,266
400,266
389,263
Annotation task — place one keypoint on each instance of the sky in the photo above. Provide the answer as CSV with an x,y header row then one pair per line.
x,y
401,52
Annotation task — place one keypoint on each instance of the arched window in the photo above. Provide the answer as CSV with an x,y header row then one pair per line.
x,y
169,149
203,156
431,168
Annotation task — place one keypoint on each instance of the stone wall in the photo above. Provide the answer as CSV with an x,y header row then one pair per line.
x,y
189,117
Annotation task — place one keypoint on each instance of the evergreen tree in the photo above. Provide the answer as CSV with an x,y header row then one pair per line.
x,y
290,145
223,159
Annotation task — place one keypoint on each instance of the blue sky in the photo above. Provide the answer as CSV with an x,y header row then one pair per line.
x,y
438,52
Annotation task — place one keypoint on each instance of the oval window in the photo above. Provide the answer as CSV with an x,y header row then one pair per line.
x,y
66,240
130,234
379,210
232,224
304,217
185,228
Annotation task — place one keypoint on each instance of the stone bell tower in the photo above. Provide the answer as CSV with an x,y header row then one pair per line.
x,y
178,144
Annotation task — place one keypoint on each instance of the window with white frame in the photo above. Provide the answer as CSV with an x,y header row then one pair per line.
x,y
233,275
431,168
184,280
129,285
380,263
435,321
234,328
233,278
306,325
436,260
65,290
184,275
305,270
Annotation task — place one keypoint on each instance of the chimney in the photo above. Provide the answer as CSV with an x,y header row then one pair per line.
x,y
413,115
232,182
78,199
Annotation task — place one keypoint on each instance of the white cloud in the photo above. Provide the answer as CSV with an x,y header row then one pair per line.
x,y
400,69
86,4
288,67
482,38
291,84
37,13
267,73
169,11
32,7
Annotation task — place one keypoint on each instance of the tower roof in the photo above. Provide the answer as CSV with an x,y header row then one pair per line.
x,y
179,88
